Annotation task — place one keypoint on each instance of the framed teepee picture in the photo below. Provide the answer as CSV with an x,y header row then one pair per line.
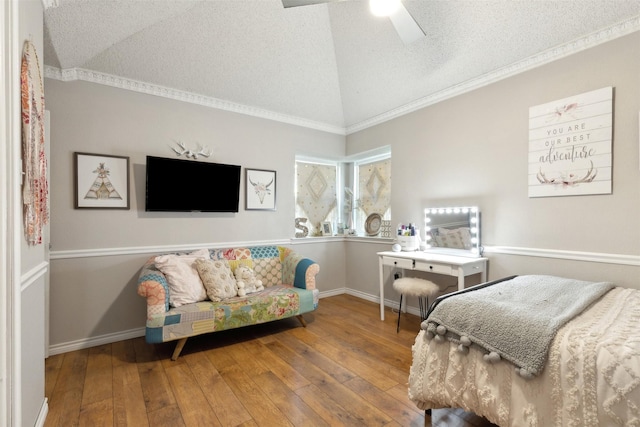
x,y
101,181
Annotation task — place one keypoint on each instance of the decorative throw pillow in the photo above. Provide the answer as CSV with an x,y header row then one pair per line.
x,y
184,282
217,278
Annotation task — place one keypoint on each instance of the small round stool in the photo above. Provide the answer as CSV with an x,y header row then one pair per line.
x,y
412,286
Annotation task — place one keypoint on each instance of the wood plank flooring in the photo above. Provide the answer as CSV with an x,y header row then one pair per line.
x,y
345,368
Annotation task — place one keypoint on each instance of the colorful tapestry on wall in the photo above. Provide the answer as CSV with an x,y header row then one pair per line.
x,y
35,191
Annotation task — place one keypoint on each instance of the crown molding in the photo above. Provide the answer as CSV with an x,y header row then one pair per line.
x,y
48,4
605,35
73,74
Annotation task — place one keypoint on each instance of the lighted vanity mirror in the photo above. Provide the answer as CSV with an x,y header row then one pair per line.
x,y
454,230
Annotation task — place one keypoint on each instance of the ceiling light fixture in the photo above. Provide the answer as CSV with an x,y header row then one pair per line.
x,y
384,7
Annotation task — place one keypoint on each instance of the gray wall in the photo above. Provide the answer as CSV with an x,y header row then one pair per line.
x,y
97,254
471,149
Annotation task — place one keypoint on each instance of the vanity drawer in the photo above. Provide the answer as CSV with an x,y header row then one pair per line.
x,y
434,268
405,263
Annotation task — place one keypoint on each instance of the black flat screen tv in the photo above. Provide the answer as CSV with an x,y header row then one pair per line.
x,y
176,185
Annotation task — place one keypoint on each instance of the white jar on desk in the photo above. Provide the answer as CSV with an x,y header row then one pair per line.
x,y
409,243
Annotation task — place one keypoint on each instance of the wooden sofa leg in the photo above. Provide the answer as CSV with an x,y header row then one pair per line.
x,y
301,319
178,349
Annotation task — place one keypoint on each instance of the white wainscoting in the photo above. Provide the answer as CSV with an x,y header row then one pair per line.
x,y
633,260
29,277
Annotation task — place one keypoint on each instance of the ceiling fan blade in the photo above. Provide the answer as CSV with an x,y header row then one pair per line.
x,y
407,27
296,3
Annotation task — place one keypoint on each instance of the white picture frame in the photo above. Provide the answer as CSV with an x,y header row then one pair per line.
x,y
327,229
101,181
570,145
260,190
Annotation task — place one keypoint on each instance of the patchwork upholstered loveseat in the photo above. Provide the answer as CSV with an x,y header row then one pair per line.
x,y
193,293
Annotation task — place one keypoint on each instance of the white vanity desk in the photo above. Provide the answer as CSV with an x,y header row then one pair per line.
x,y
450,265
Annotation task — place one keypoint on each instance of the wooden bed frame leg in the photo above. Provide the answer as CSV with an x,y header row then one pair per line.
x,y
301,319
178,349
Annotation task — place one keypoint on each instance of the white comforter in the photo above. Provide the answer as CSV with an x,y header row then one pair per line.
x,y
592,375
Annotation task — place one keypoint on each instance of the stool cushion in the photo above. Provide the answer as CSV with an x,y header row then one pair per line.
x,y
415,287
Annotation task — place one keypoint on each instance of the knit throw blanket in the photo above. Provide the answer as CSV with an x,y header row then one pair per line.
x,y
513,320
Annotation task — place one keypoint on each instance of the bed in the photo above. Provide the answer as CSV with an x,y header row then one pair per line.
x,y
532,351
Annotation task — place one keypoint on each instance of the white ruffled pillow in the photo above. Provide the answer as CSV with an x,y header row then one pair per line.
x,y
185,285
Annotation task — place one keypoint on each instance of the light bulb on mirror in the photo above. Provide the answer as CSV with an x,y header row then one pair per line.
x,y
384,7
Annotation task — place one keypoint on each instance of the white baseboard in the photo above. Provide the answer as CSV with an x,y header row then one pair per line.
x,y
333,292
42,415
387,302
95,341
140,332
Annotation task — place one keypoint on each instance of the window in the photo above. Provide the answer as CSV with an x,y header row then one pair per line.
x,y
368,188
342,193
373,190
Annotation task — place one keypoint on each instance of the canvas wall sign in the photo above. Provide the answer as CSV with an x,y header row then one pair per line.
x,y
570,145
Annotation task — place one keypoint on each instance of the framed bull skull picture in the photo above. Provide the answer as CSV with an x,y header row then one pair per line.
x,y
260,189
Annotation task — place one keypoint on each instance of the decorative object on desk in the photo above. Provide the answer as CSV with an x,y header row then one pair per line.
x,y
396,247
101,181
409,243
570,145
300,226
199,151
260,191
454,230
385,229
326,228
35,188
372,224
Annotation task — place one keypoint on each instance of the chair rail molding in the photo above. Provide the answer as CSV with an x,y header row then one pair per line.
x,y
606,258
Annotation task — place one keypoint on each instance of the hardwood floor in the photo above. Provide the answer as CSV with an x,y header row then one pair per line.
x,y
345,368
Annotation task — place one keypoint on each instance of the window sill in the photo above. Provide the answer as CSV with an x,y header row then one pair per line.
x,y
341,238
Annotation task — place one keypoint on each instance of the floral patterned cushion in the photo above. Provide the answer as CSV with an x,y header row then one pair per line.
x,y
274,303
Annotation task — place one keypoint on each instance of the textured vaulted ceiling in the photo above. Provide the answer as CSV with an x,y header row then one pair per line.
x,y
330,66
